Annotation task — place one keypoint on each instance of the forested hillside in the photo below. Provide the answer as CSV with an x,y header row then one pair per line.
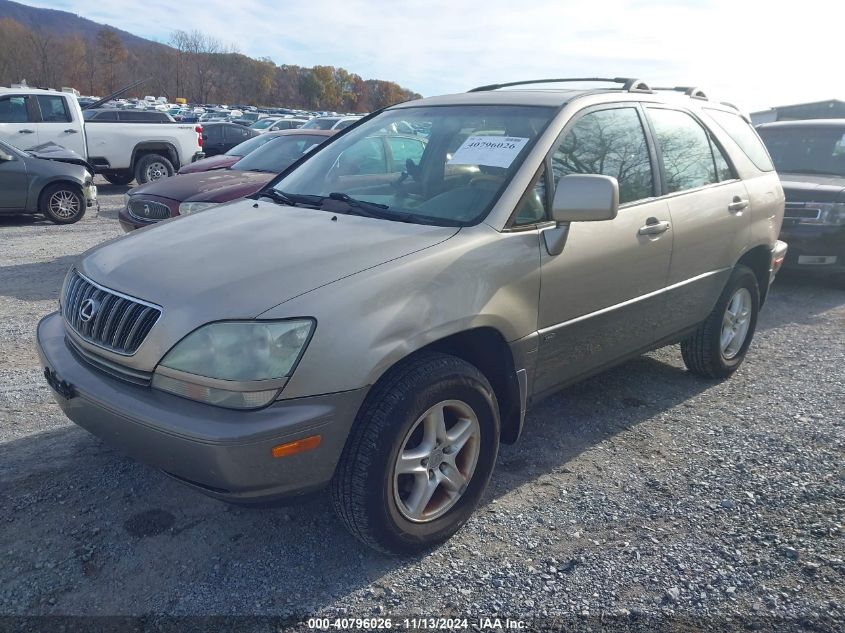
x,y
52,48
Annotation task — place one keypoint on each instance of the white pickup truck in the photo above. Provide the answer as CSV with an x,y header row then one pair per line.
x,y
122,152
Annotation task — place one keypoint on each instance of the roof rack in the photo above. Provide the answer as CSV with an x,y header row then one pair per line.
x,y
693,92
628,83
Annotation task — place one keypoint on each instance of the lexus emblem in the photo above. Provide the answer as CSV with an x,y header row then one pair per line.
x,y
146,210
88,310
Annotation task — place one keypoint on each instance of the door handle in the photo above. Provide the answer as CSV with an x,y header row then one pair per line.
x,y
653,226
26,131
737,205
70,130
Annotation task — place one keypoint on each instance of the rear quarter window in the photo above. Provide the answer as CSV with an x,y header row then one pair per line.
x,y
743,135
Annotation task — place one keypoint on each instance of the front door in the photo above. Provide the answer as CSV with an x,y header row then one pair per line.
x,y
13,183
601,296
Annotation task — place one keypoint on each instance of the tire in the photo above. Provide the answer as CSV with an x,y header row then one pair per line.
x,y
373,501
63,203
152,167
705,352
119,177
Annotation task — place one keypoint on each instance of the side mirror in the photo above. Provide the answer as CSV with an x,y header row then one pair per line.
x,y
585,198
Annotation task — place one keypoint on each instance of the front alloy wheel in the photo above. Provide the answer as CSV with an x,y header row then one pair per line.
x,y
419,455
437,460
63,203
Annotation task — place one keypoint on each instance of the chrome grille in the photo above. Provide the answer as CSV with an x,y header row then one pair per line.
x,y
148,210
118,323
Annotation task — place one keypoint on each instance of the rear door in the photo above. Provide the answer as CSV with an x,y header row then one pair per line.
x,y
237,134
213,141
602,295
18,116
57,125
711,215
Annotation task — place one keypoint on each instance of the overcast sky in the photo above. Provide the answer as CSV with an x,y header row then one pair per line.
x,y
755,53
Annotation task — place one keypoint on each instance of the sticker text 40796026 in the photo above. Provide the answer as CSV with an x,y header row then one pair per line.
x,y
491,151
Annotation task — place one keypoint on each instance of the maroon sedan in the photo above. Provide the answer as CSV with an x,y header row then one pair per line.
x,y
192,193
224,161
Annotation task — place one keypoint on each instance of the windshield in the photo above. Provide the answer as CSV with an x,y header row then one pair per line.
x,y
242,149
450,175
806,149
263,124
320,124
278,154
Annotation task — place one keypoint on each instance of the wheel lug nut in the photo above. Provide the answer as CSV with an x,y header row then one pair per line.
x,y
425,461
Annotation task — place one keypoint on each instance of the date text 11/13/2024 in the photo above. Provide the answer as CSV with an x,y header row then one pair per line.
x,y
417,623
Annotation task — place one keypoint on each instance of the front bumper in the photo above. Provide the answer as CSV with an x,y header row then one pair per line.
x,y
90,193
221,452
815,248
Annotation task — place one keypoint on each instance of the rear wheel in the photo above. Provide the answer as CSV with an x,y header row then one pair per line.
x,y
152,167
63,203
119,177
419,456
719,345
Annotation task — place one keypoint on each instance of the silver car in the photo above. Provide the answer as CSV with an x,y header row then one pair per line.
x,y
381,315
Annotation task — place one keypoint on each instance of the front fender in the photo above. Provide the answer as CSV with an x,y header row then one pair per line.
x,y
369,321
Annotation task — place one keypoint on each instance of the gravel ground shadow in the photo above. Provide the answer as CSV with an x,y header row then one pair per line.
x,y
35,281
127,530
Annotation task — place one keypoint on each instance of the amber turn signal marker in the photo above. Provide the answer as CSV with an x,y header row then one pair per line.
x,y
299,446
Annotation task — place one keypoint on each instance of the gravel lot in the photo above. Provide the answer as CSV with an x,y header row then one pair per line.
x,y
644,497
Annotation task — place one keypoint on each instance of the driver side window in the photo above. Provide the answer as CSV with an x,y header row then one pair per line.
x,y
532,208
366,157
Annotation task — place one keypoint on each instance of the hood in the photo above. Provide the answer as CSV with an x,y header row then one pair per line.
x,y
205,186
221,161
812,187
238,260
51,151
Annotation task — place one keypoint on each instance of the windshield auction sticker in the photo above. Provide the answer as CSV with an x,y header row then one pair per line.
x,y
490,151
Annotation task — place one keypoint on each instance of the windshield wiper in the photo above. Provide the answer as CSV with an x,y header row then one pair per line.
x,y
289,199
276,196
375,210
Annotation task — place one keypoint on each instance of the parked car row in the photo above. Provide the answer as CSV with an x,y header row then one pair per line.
x,y
121,151
197,191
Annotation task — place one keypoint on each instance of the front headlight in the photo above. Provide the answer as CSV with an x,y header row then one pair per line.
x,y
235,364
187,208
833,214
830,214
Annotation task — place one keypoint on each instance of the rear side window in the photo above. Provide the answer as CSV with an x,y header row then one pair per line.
x,y
104,116
608,142
13,110
53,109
743,135
688,161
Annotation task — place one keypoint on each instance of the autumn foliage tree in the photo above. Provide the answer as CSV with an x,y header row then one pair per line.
x,y
191,65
